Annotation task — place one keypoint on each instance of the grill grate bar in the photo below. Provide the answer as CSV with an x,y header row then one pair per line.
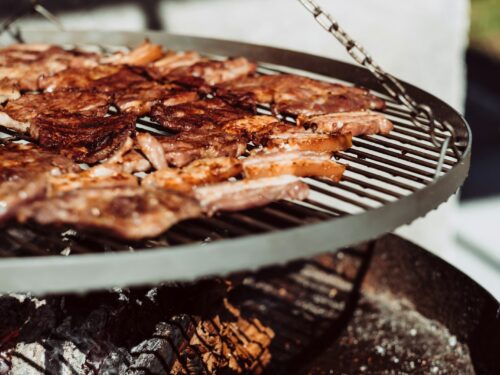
x,y
402,154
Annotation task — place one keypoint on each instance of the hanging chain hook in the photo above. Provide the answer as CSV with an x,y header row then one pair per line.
x,y
421,114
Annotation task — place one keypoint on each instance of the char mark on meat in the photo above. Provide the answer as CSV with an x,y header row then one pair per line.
x,y
240,195
199,172
131,213
356,123
189,116
83,138
24,173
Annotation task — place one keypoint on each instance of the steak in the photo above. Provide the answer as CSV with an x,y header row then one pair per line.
x,y
128,212
194,115
19,114
83,138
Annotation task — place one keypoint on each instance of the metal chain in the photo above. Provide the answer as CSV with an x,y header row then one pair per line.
x,y
421,114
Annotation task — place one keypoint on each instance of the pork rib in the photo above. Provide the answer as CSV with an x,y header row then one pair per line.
x,y
296,163
241,195
356,123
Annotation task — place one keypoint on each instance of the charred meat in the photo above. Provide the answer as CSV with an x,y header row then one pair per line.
x,y
24,173
356,123
194,115
131,212
240,195
83,138
297,139
19,114
296,163
199,172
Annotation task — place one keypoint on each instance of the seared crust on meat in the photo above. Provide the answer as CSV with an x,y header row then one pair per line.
x,y
139,97
240,195
83,138
198,114
24,172
199,172
356,123
296,163
18,114
131,212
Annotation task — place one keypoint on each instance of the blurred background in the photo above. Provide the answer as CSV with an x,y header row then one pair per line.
x,y
448,47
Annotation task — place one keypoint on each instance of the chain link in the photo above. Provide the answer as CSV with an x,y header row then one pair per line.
x,y
421,114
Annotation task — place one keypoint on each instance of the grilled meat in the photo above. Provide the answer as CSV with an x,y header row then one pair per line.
x,y
296,163
253,127
25,65
24,172
356,123
103,78
152,149
184,148
83,138
199,172
190,116
139,56
19,114
296,95
240,195
212,72
140,97
132,213
298,139
9,90
171,61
